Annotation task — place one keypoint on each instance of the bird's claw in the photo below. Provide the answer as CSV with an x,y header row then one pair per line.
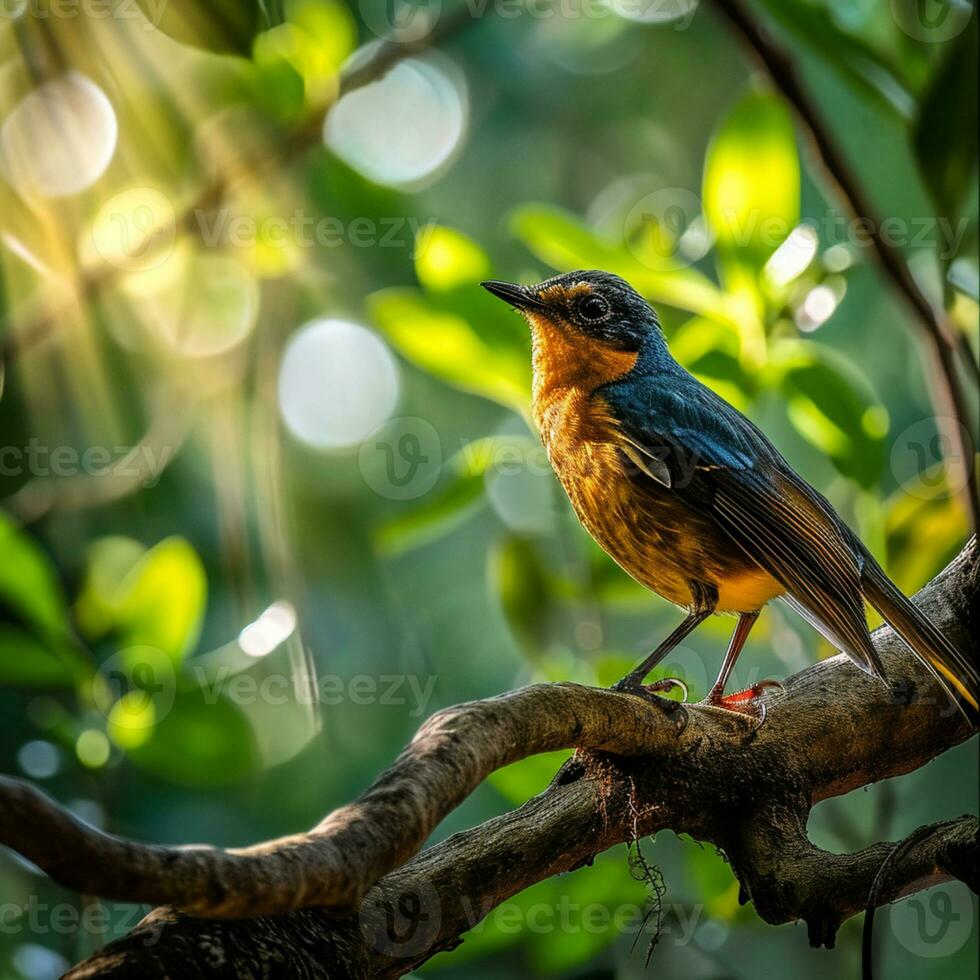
x,y
747,703
674,710
668,684
631,684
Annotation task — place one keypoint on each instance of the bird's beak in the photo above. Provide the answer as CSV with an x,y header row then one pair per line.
x,y
523,297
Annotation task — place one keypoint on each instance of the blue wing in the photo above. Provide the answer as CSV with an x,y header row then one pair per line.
x,y
721,465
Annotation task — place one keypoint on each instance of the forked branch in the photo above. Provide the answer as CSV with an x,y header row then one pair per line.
x,y
639,770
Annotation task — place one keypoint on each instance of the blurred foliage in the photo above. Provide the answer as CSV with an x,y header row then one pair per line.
x,y
221,566
948,112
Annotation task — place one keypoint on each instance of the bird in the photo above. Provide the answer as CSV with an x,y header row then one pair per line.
x,y
690,497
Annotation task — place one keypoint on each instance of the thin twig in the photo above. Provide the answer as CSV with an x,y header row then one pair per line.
x,y
949,399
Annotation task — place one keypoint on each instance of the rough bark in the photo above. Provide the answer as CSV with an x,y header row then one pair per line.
x,y
639,770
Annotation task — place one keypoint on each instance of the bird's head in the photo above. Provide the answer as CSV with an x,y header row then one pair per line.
x,y
591,306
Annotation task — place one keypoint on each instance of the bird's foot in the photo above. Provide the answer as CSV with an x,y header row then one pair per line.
x,y
573,769
749,702
631,684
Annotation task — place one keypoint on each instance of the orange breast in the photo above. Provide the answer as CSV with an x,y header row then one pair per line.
x,y
581,439
644,527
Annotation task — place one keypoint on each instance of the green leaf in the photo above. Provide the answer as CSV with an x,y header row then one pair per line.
x,y
196,743
314,42
225,27
869,70
448,346
924,530
109,561
278,84
29,585
833,407
752,181
563,242
751,203
454,502
25,661
330,34
946,128
559,239
446,510
709,349
447,259
522,583
161,601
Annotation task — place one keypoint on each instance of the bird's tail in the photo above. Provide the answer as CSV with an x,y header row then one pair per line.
x,y
954,670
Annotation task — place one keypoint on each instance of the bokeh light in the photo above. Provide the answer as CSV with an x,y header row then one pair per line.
x,y
59,139
587,46
837,258
131,719
39,962
793,256
817,308
654,11
273,627
134,230
200,304
338,381
38,759
92,748
403,129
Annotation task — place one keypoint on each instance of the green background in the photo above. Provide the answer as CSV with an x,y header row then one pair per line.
x,y
483,581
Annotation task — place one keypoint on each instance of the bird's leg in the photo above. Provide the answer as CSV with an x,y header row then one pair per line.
x,y
744,702
633,681
745,623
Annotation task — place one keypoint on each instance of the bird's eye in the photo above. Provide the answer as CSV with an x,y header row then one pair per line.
x,y
593,307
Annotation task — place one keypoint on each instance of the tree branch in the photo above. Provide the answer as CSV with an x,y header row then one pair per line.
x,y
334,864
947,849
949,399
641,770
